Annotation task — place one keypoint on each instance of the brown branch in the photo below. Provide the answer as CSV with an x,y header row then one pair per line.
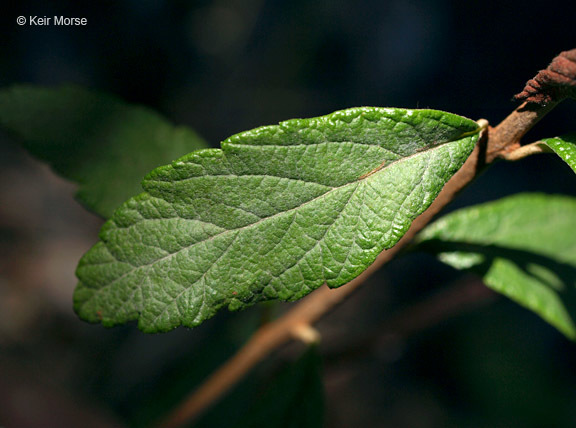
x,y
466,294
453,300
270,337
507,135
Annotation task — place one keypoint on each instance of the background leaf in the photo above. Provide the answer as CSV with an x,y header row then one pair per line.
x,y
276,213
524,246
293,399
565,147
94,139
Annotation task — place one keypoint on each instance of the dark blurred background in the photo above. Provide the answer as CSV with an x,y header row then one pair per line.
x,y
225,66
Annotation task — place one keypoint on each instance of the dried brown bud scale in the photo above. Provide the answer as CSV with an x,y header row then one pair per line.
x,y
557,81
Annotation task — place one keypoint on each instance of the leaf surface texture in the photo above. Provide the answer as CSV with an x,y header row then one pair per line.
x,y
565,147
276,213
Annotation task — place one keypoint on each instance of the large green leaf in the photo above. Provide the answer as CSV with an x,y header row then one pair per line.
x,y
565,147
524,246
276,213
94,139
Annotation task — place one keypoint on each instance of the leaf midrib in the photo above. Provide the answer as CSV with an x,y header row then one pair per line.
x,y
356,182
202,278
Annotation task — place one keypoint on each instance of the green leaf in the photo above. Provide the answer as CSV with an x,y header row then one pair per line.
x,y
94,139
276,213
565,147
293,399
524,246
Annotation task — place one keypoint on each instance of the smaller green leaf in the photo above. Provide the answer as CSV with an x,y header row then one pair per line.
x,y
565,147
524,246
94,139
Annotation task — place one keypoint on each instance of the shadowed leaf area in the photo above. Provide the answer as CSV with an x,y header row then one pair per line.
x,y
276,213
96,140
524,247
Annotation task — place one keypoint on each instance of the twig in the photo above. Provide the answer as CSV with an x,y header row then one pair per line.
x,y
507,135
527,150
466,294
271,336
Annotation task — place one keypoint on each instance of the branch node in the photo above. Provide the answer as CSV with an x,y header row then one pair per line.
x,y
305,333
483,124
